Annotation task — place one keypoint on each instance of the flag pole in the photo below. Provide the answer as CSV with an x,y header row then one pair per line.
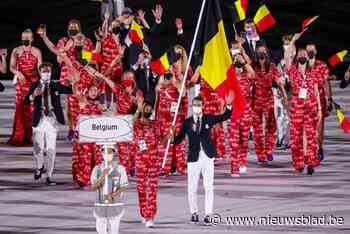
x,y
235,30
185,77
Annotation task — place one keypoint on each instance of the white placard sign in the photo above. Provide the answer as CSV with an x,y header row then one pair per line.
x,y
105,129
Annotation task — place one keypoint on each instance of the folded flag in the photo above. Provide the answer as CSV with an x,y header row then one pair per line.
x,y
263,19
240,10
161,65
337,58
135,33
91,57
344,122
216,63
308,22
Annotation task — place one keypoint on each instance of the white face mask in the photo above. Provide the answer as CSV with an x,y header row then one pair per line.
x,y
197,110
45,76
235,51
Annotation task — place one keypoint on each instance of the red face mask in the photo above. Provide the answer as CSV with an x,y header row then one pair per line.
x,y
127,83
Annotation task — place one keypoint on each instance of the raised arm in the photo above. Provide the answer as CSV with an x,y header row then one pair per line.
x,y
214,119
48,42
291,51
141,17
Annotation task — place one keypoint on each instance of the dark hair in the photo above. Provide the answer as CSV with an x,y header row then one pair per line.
x,y
45,64
198,98
75,21
267,61
248,21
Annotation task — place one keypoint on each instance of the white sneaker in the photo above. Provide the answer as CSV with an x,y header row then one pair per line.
x,y
143,220
243,170
235,175
149,224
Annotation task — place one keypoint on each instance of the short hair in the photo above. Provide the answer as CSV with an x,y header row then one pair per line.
x,y
198,98
248,21
45,64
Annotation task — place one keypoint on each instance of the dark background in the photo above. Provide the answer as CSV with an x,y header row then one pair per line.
x,y
329,33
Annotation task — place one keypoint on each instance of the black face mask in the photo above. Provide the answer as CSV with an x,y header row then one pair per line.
x,y
116,30
311,54
147,115
261,56
302,60
168,76
26,42
72,32
239,65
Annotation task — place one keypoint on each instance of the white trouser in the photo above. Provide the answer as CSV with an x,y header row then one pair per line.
x,y
44,140
204,166
108,225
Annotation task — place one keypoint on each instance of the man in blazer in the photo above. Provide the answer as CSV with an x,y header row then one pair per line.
x,y
47,112
251,39
201,154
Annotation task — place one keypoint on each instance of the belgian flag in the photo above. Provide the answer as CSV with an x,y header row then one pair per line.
x,y
216,65
135,33
337,58
161,65
307,22
91,56
240,10
343,121
263,18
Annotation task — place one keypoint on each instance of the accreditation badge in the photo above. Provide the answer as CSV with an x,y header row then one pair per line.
x,y
173,107
303,93
142,145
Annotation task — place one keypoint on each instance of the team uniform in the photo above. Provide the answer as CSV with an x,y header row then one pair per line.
x,y
239,128
264,121
27,64
167,101
321,72
146,139
212,105
303,114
